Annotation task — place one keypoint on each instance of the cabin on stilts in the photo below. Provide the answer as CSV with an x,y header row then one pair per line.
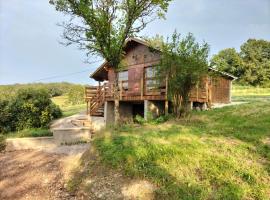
x,y
140,93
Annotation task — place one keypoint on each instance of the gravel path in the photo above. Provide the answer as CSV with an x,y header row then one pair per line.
x,y
37,174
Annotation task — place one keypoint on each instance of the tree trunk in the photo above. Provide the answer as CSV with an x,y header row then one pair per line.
x,y
116,101
116,112
186,105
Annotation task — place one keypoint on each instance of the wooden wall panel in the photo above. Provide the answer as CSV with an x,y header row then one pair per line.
x,y
221,90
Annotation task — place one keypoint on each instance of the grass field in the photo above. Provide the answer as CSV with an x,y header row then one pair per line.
x,y
218,154
67,108
250,94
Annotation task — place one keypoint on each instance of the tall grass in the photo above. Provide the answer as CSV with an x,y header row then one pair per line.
x,y
218,154
67,108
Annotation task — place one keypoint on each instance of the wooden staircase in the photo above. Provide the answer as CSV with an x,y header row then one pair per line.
x,y
95,98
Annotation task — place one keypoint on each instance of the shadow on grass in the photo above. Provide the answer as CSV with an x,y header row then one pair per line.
x,y
181,168
140,157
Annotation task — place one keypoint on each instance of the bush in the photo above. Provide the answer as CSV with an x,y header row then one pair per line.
x,y
2,143
160,119
6,117
139,119
28,109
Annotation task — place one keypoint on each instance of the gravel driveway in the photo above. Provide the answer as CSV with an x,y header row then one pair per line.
x,y
36,174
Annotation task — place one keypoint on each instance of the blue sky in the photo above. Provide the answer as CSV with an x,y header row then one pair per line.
x,y
29,37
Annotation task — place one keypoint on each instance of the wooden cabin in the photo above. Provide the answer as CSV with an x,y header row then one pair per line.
x,y
140,91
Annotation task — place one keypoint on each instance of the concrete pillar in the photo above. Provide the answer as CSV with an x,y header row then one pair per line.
x,y
146,109
108,112
204,106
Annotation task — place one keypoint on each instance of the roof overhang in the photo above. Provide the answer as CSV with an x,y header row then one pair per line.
x,y
101,72
225,74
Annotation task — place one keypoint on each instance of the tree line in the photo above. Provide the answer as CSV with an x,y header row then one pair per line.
x,y
251,64
74,92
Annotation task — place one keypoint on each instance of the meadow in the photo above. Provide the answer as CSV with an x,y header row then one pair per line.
x,y
218,154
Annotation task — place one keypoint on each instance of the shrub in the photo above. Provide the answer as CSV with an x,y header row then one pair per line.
x,y
139,119
6,117
160,119
28,109
2,142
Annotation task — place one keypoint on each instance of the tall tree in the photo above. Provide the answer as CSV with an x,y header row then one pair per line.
x,y
184,62
251,65
228,60
256,57
101,27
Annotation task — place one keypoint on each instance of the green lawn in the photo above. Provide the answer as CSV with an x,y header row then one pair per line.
x,y
67,108
249,93
217,154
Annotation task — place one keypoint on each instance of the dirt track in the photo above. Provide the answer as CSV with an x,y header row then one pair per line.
x,y
31,175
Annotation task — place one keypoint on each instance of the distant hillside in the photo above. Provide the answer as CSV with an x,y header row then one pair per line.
x,y
74,93
54,89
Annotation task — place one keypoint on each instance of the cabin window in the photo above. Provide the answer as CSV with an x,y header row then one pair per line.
x,y
150,72
151,80
123,77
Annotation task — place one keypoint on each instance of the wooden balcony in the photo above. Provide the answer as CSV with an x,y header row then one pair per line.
x,y
138,90
135,90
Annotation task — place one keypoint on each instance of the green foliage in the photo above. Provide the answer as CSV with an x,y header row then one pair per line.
x,y
256,58
228,60
76,94
32,132
105,25
139,119
251,65
28,109
2,142
6,117
184,62
219,154
161,119
53,89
